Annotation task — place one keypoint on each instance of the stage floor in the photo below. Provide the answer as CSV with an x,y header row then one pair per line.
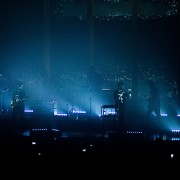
x,y
46,136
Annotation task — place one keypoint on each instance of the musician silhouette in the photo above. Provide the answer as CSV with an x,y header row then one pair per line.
x,y
18,106
153,108
120,98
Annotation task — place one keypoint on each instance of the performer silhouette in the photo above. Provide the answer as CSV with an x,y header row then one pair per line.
x,y
153,108
18,107
120,97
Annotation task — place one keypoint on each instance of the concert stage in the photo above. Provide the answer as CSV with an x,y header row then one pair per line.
x,y
49,136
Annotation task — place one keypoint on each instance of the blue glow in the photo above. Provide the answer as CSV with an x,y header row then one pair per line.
x,y
55,129
134,132
60,114
175,139
26,133
79,112
39,129
28,110
164,114
176,130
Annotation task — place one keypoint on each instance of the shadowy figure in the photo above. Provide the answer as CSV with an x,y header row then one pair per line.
x,y
172,102
153,108
18,107
120,98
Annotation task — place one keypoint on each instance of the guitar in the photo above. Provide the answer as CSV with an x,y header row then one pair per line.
x,y
17,100
122,95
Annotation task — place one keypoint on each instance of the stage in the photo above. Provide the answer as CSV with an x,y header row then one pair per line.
x,y
49,136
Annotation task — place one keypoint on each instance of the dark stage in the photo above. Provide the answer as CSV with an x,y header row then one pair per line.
x,y
45,136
